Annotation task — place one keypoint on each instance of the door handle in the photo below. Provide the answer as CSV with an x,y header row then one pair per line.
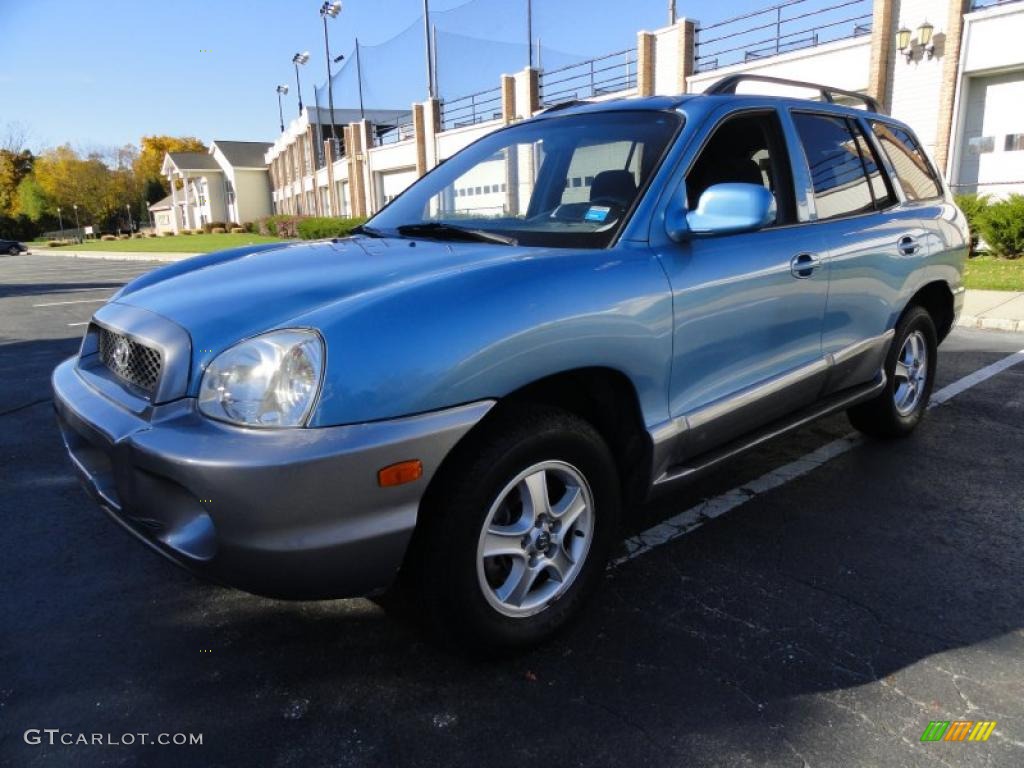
x,y
907,246
803,265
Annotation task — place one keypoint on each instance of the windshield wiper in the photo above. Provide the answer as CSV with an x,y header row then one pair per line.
x,y
362,229
441,231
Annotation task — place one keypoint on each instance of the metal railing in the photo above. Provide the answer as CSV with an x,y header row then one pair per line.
x,y
602,75
401,132
778,29
475,108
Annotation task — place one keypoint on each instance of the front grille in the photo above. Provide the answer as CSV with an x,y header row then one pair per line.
x,y
129,360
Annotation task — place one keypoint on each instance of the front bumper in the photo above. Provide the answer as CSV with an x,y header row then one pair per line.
x,y
293,513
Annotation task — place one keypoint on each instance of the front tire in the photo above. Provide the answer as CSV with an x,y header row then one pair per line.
x,y
14,250
515,531
910,375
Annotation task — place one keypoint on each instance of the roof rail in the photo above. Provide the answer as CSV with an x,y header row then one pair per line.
x,y
564,105
828,93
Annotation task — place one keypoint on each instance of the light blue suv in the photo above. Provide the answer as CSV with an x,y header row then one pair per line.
x,y
471,392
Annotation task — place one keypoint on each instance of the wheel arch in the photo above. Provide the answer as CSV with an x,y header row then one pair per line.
x,y
936,298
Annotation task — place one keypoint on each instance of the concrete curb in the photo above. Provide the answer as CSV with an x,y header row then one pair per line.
x,y
990,323
114,255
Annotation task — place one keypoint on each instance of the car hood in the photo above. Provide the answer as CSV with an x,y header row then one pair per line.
x,y
224,297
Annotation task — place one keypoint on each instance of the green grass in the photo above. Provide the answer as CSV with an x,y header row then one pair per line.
x,y
178,244
992,274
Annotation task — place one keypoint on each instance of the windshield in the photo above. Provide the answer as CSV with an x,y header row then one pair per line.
x,y
562,182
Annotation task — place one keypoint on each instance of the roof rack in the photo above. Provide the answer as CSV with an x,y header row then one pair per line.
x,y
564,105
828,93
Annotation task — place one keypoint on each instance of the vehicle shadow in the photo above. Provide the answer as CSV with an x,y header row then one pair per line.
x,y
9,290
754,640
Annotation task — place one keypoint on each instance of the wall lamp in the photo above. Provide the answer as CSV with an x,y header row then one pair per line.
x,y
924,39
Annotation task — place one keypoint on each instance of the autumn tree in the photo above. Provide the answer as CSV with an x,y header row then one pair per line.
x,y
151,157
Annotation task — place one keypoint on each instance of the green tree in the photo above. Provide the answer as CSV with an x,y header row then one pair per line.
x,y
31,200
14,166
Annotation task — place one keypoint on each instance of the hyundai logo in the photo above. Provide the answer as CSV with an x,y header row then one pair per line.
x,y
122,352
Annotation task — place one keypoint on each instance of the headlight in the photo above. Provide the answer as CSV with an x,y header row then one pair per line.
x,y
266,381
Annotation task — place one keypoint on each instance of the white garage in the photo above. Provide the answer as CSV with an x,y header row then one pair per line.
x,y
991,150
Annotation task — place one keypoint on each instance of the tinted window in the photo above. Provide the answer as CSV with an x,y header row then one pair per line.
x,y
837,170
879,184
912,167
748,148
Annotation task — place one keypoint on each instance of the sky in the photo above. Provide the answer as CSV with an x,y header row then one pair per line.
x,y
104,73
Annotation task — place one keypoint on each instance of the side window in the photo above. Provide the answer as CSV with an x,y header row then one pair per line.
x,y
837,172
912,167
880,188
747,148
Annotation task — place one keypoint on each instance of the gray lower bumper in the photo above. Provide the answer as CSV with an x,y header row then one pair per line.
x,y
293,513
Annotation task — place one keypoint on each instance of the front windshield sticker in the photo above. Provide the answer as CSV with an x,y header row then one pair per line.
x,y
597,213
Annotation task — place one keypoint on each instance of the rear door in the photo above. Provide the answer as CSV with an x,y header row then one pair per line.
x,y
873,242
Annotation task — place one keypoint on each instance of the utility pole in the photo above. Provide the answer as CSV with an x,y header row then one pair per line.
x,y
671,11
529,32
430,52
359,77
433,42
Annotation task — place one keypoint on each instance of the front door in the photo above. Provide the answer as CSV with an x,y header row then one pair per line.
x,y
748,307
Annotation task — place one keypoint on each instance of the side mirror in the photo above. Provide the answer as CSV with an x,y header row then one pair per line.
x,y
725,209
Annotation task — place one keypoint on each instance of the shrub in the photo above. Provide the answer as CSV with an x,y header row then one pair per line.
x,y
250,226
168,234
109,237
210,226
139,236
218,230
151,234
237,230
1002,226
326,226
55,243
974,207
280,225
185,232
124,237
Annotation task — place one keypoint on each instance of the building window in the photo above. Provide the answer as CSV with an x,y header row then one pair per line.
x,y
230,190
1014,142
981,145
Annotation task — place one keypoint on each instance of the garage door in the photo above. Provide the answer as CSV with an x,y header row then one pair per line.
x,y
992,146
393,183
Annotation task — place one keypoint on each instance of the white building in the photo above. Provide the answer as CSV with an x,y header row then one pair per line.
x,y
951,69
229,184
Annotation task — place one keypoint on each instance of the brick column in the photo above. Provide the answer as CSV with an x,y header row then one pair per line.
x,y
369,188
883,47
950,74
332,195
644,64
685,52
431,127
419,133
356,188
508,98
527,93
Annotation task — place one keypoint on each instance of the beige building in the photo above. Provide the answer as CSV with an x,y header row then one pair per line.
x,y
230,183
162,215
951,69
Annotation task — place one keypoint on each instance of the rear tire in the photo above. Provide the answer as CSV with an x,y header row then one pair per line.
x,y
14,250
910,376
515,532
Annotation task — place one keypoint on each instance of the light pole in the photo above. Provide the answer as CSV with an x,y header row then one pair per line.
x,y
299,58
332,10
131,226
77,225
60,221
282,90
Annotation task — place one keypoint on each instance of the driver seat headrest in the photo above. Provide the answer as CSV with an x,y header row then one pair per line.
x,y
618,186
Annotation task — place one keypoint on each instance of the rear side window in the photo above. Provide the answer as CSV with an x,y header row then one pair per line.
x,y
837,169
915,173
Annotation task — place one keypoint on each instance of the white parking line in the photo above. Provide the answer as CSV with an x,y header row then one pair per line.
x,y
694,517
76,301
72,325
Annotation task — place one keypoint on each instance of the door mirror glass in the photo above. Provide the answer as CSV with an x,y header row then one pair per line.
x,y
728,208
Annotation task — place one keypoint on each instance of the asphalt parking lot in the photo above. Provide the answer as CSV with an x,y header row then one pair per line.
x,y
825,621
